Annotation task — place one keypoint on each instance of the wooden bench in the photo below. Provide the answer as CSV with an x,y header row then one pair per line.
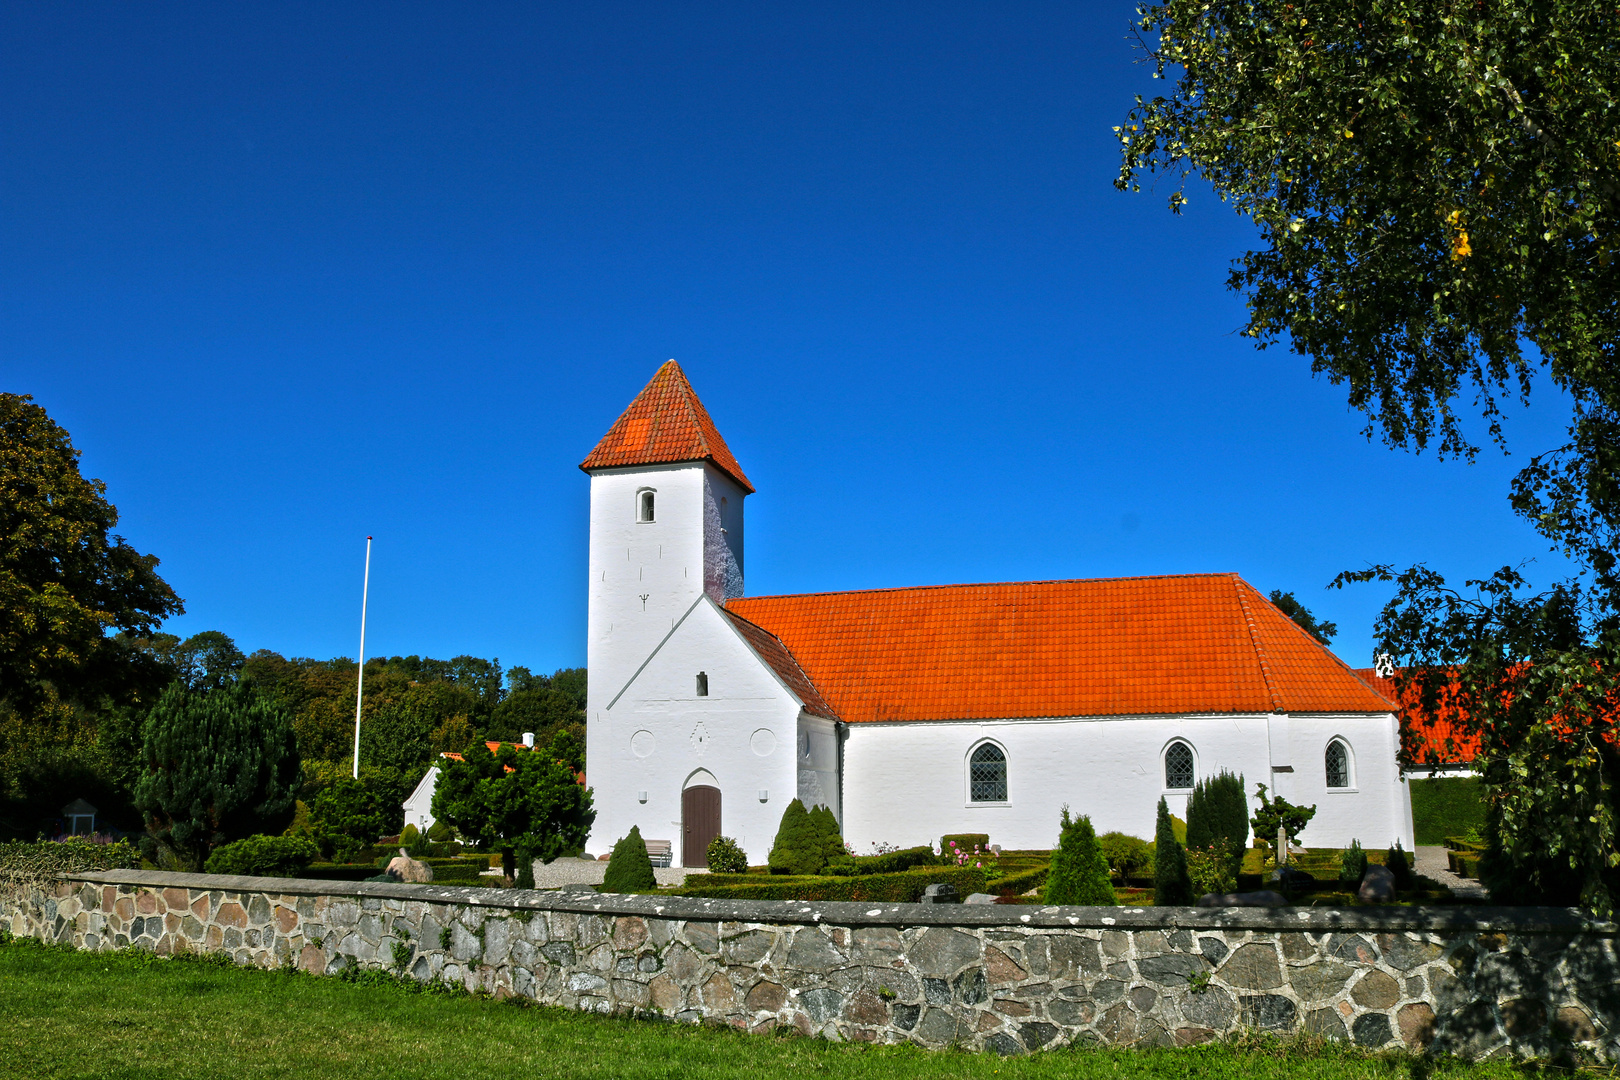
x,y
660,851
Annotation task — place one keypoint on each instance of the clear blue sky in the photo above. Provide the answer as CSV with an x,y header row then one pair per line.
x,y
295,273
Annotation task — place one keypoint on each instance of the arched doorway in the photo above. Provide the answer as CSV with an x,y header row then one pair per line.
x,y
700,823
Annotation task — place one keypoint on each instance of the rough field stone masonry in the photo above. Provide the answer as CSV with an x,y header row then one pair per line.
x,y
1477,981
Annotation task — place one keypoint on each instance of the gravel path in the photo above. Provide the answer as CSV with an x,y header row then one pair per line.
x,y
590,872
1431,863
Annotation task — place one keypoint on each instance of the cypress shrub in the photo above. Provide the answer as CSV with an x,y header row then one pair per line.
x,y
1171,884
1218,812
799,848
832,843
629,868
1079,873
1395,859
1352,864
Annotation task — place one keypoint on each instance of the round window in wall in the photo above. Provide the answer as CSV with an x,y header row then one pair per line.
x,y
763,742
641,744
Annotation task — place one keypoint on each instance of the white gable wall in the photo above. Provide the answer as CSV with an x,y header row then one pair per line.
x,y
659,733
907,783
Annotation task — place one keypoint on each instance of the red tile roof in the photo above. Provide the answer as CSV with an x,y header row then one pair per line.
x,y
1437,741
774,653
1096,647
665,424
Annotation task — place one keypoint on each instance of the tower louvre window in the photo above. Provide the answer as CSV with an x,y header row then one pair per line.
x,y
987,774
644,506
1178,766
703,684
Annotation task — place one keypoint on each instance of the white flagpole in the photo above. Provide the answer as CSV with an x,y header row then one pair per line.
x,y
360,683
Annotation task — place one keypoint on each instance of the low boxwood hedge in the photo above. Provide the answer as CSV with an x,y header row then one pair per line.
x,y
904,887
891,863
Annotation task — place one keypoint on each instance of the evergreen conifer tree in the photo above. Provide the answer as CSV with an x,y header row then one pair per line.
x,y
1171,884
799,847
629,868
1079,873
832,842
215,767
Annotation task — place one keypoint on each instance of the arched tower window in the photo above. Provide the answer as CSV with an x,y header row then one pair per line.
x,y
644,505
703,684
1336,762
1178,766
987,774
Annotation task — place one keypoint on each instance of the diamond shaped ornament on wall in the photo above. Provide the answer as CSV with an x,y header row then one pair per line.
x,y
700,739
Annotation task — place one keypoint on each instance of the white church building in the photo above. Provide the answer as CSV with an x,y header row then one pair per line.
x,y
917,712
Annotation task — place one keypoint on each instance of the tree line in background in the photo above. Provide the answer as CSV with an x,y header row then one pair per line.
x,y
190,740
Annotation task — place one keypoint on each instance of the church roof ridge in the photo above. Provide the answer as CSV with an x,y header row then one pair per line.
x,y
984,585
665,424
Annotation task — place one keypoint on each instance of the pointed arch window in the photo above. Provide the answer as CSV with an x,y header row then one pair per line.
x,y
987,774
1336,763
1179,769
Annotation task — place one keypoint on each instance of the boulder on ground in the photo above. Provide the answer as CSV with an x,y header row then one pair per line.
x,y
1377,885
406,868
1262,898
980,898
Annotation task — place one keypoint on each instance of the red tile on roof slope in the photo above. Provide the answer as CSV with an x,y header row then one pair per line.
x,y
666,423
773,652
1090,647
1432,736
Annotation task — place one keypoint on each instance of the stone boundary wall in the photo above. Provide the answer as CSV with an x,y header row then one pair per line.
x,y
1476,981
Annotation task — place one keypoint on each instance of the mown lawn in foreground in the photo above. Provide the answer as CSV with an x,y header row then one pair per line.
x,y
75,1014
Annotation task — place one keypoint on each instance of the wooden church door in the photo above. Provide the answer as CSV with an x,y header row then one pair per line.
x,y
700,821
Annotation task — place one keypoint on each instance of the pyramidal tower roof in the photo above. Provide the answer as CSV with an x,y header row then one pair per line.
x,y
665,424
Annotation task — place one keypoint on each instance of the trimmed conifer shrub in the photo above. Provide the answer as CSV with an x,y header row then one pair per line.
x,y
1352,864
832,842
1218,811
1171,884
263,856
1079,873
1395,859
799,847
629,868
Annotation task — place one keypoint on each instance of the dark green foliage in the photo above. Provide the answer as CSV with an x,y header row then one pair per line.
x,y
263,856
1396,859
1079,873
524,804
1285,602
350,815
799,846
215,767
629,868
439,832
904,887
1171,884
832,843
1446,806
726,857
1278,812
964,841
1217,808
1352,864
1127,856
890,863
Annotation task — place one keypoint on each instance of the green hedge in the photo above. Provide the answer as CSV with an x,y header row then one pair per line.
x,y
964,842
1446,806
1020,883
263,856
338,871
891,863
904,887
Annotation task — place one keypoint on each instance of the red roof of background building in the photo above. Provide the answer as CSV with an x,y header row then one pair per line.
x,y
665,424
1440,741
1096,647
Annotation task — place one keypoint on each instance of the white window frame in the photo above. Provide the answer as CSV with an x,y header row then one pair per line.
x,y
967,773
1164,770
642,494
1349,766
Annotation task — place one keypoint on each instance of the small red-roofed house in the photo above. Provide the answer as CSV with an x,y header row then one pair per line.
x,y
917,712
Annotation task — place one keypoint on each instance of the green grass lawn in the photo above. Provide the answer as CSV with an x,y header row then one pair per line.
x,y
72,1014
